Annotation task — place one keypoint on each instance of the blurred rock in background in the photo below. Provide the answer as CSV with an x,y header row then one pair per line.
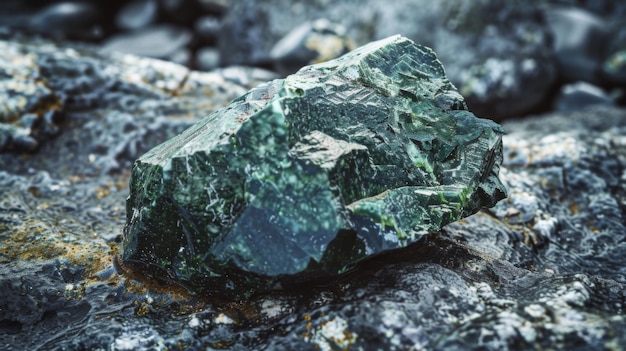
x,y
508,58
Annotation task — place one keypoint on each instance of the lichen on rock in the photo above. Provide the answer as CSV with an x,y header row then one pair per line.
x,y
302,178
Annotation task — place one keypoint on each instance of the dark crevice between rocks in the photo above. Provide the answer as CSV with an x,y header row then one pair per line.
x,y
432,249
8,326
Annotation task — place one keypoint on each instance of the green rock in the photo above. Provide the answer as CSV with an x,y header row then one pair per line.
x,y
301,178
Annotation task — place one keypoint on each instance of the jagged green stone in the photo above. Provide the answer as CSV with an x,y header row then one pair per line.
x,y
301,178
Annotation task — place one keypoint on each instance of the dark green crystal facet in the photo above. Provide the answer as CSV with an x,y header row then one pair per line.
x,y
302,178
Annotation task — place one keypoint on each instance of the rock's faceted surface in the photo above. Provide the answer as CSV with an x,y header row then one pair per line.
x,y
302,178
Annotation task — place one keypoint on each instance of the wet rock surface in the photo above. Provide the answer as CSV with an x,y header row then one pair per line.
x,y
542,270
302,178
